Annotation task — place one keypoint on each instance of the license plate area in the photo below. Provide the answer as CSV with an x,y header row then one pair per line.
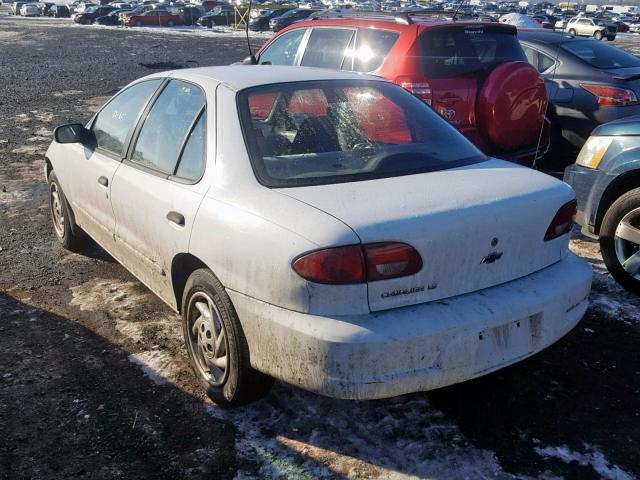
x,y
506,343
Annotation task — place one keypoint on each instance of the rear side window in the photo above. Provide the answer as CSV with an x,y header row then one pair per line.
x,y
372,47
167,125
600,55
454,52
114,121
326,47
283,50
191,164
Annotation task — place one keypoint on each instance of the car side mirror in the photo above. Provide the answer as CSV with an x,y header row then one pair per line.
x,y
250,60
74,133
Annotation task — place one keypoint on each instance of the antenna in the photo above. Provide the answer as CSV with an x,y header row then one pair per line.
x,y
456,12
246,29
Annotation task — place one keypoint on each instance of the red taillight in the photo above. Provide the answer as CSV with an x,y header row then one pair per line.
x,y
332,265
359,263
612,96
391,260
563,221
420,87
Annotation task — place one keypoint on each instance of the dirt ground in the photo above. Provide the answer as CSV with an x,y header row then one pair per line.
x,y
94,381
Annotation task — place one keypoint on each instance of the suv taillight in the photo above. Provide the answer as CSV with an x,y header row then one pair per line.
x,y
611,96
563,221
359,263
420,87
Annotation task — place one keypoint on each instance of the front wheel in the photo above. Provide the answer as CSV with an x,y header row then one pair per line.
x,y
620,240
139,23
597,35
61,216
216,345
572,32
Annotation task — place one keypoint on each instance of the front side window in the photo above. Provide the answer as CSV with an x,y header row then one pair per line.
x,y
167,125
340,131
112,125
326,47
283,50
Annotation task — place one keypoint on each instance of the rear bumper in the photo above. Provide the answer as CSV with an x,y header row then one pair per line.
x,y
417,348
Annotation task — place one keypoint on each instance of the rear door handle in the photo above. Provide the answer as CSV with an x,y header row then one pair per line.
x,y
104,181
177,218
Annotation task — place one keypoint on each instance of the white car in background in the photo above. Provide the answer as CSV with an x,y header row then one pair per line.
x,y
30,10
321,227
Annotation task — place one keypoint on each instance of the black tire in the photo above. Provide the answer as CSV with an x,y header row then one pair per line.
x,y
239,384
621,207
610,38
598,35
63,230
170,23
139,23
572,32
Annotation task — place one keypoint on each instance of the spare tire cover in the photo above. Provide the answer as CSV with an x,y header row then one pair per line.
x,y
511,106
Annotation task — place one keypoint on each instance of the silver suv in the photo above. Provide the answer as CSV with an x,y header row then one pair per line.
x,y
591,27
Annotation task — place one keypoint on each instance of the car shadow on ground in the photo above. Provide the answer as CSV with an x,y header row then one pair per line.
x,y
73,405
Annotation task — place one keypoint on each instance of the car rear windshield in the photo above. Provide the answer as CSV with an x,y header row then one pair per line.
x,y
454,52
600,55
312,133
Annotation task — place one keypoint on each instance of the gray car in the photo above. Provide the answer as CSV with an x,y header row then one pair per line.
x,y
588,83
606,179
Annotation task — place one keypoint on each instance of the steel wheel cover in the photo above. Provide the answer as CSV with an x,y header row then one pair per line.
x,y
208,339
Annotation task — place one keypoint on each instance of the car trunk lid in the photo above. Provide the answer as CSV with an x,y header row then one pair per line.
x,y
474,226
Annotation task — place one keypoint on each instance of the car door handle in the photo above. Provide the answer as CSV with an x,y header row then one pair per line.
x,y
104,181
177,218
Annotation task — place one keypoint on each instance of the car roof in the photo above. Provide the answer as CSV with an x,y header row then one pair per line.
x,y
549,38
239,77
424,18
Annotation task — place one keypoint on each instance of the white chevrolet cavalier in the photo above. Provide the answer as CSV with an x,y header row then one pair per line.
x,y
324,228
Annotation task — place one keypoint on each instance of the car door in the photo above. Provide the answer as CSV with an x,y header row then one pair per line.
x,y
157,190
88,170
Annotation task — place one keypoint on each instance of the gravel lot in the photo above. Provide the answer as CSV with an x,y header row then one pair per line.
x,y
94,382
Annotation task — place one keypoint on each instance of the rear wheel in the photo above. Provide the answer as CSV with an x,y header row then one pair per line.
x,y
611,38
597,35
216,345
572,32
620,240
61,216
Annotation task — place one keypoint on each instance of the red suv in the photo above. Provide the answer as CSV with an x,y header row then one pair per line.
x,y
474,74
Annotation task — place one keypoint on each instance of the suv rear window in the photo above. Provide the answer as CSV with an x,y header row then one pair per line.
x,y
453,52
337,131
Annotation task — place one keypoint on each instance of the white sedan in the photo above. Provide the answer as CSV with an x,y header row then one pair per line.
x,y
324,228
30,10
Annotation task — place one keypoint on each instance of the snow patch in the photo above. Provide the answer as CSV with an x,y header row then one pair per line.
x,y
114,296
296,434
158,365
593,458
